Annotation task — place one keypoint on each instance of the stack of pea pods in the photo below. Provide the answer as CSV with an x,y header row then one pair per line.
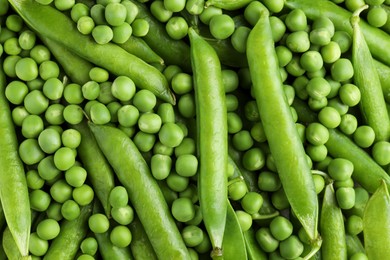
x,y
194,129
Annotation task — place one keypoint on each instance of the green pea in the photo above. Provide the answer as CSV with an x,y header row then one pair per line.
x,y
79,10
53,88
27,40
281,228
237,190
239,38
64,158
252,202
340,169
348,124
291,248
39,200
364,136
70,210
170,134
345,197
140,27
73,114
317,134
342,70
47,170
48,229
294,67
329,117
253,159
14,22
183,209
377,16
37,245
40,53
232,102
132,11
176,27
128,115
85,25
278,28
354,225
61,191
186,165
174,5
265,239
176,182
318,88
75,176
279,199
30,152
192,235
102,34
380,152
331,53
182,83
317,153
311,61
73,94
296,20
98,223
242,140
320,36
100,114
83,195
105,94
284,55
26,69
159,11
245,220
359,256
221,26
118,197
32,126
186,105
123,215
324,22
343,39
298,41
144,100
16,91
64,5
54,211
350,94
319,183
268,181
34,181
115,14
120,236
89,246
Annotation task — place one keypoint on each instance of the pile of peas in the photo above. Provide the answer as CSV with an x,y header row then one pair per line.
x,y
195,167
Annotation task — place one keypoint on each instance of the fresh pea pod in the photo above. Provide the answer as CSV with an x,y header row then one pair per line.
x,y
332,227
9,246
212,138
144,193
99,171
354,245
372,103
13,186
384,77
142,50
55,25
377,40
72,234
283,139
140,245
228,4
233,245
109,251
376,224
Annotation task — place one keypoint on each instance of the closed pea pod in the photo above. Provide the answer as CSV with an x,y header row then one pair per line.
x,y
372,103
15,205
134,174
212,142
280,128
141,248
228,4
376,224
332,227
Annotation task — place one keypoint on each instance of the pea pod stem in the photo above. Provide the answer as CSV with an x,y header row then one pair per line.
x,y
283,139
145,195
53,24
212,137
376,224
14,194
372,103
378,41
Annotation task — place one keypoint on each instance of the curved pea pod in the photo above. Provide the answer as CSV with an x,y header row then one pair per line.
x,y
377,40
72,234
376,224
172,51
142,50
383,72
13,186
283,138
144,193
372,103
227,54
140,245
332,227
55,25
233,245
252,247
212,138
99,170
228,4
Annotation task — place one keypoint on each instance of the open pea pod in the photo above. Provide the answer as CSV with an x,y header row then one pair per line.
x,y
376,224
233,244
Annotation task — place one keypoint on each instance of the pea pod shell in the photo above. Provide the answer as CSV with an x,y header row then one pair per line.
x,y
212,136
372,103
376,224
16,205
228,4
55,25
252,246
283,139
144,193
140,245
332,227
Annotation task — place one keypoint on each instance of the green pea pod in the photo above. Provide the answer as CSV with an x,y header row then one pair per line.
x,y
67,243
212,137
227,54
138,47
376,224
377,40
75,67
372,103
228,4
233,245
252,246
332,227
366,171
386,27
384,77
13,186
140,245
172,51
55,25
354,245
283,139
109,251
99,170
144,193
9,245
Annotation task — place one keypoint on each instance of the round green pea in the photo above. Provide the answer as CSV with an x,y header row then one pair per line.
x,y
120,236
48,229
30,152
123,215
64,158
192,235
221,26
364,136
16,91
281,228
37,246
183,209
98,223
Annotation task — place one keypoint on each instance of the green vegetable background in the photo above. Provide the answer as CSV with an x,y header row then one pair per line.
x,y
194,129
